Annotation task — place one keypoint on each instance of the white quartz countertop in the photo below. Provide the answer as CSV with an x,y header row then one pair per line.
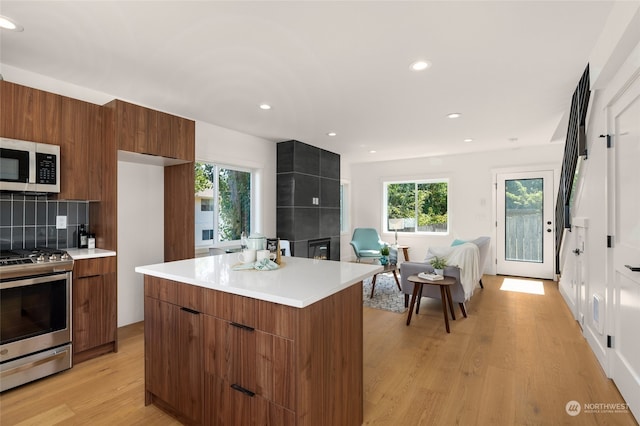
x,y
298,282
77,254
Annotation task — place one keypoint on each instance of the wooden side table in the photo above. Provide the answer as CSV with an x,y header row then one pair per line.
x,y
445,295
405,252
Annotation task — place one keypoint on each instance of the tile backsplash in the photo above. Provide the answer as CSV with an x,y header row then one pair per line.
x,y
27,221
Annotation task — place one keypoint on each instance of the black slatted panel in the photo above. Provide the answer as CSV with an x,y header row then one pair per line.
x,y
577,117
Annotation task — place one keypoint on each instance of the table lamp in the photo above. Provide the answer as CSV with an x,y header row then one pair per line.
x,y
394,225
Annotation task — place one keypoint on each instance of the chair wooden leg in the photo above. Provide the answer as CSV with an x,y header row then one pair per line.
x,y
481,285
373,285
462,308
406,300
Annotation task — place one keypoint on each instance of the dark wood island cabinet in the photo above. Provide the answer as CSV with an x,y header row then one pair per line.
x,y
213,357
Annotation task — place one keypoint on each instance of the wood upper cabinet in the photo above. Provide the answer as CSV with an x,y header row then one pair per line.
x,y
147,131
94,307
79,146
30,114
76,126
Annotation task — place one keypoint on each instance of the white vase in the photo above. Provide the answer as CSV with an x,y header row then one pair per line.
x,y
439,271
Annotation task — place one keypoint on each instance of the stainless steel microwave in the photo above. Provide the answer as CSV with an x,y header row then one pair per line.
x,y
29,166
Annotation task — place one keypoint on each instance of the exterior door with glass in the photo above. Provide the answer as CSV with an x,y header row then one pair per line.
x,y
525,242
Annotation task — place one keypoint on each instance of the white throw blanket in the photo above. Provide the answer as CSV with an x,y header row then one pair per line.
x,y
466,257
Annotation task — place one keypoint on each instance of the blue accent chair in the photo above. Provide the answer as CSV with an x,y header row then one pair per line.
x,y
366,243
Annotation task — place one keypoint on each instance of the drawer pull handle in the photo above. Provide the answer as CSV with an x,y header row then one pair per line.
x,y
191,311
633,268
242,326
243,390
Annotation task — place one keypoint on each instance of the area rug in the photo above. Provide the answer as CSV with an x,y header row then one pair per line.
x,y
386,296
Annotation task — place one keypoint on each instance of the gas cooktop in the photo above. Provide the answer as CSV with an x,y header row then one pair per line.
x,y
33,261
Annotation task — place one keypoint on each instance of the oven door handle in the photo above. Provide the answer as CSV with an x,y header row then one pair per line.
x,y
33,364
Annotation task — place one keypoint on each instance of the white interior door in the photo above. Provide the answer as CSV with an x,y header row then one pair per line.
x,y
624,126
525,215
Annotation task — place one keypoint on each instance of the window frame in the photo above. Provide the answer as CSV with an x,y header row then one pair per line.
x,y
416,182
345,201
216,205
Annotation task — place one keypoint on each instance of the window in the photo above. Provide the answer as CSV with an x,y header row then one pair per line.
x,y
344,207
420,206
206,205
223,203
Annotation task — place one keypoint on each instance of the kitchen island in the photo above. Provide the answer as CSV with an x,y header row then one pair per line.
x,y
280,347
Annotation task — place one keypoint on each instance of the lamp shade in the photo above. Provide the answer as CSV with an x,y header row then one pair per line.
x,y
396,224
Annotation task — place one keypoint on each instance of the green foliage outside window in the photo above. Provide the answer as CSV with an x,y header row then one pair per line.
x,y
523,194
204,176
423,204
233,196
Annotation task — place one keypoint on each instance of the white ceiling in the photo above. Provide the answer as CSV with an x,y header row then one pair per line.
x,y
509,67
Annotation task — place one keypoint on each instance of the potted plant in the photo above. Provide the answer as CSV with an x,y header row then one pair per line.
x,y
384,251
438,264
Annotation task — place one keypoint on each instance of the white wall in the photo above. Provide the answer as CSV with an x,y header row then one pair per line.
x,y
140,233
471,192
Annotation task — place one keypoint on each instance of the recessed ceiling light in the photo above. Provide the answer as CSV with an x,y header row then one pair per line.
x,y
372,151
468,140
454,115
10,24
420,65
513,139
332,134
265,106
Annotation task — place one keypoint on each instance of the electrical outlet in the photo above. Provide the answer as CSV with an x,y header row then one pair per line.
x,y
61,222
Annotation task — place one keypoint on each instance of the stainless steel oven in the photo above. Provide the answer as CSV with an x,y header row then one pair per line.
x,y
35,318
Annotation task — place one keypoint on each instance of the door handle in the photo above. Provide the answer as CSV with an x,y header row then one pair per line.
x,y
633,268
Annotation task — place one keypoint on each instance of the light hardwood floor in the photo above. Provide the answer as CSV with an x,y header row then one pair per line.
x,y
516,360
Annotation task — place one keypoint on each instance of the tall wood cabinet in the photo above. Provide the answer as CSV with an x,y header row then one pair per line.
x,y
141,130
94,304
216,358
79,147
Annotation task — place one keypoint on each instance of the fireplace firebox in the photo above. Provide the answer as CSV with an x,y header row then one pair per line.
x,y
320,249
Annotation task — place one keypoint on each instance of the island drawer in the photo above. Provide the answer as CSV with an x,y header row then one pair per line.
x,y
189,296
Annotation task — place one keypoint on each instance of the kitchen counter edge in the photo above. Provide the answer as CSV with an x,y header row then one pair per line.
x,y
79,254
302,298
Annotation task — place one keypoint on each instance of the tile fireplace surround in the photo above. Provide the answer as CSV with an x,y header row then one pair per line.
x,y
308,197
